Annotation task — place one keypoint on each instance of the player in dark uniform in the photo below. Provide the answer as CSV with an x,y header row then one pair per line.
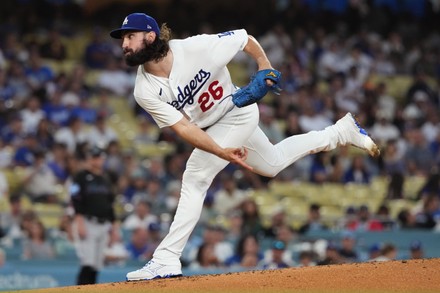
x,y
92,197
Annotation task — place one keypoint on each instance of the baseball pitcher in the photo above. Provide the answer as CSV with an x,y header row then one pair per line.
x,y
184,84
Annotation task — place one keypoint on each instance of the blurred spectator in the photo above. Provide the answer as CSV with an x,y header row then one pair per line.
x,y
431,185
40,182
12,132
319,172
228,197
364,221
274,259
310,119
103,102
431,127
384,217
359,60
406,219
147,132
98,51
114,79
329,62
155,195
278,220
37,73
383,130
62,237
57,112
358,172
418,157
28,217
115,254
332,255
136,186
25,153
173,195
71,135
247,253
155,169
13,49
314,221
206,258
35,245
382,64
374,251
44,133
114,161
251,218
420,88
212,235
306,259
287,235
348,247
53,47
233,224
393,160
155,232
58,162
85,111
141,217
416,250
18,82
101,134
292,125
387,252
277,44
10,220
269,125
138,247
386,104
427,218
349,95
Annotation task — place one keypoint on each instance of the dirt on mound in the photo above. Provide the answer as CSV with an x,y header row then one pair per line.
x,y
392,276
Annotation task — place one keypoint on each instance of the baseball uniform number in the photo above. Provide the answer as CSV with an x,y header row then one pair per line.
x,y
215,91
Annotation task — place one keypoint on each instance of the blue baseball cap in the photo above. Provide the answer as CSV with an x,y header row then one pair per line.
x,y
136,22
415,245
278,245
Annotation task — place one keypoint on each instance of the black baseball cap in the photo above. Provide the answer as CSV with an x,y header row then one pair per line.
x,y
95,151
136,22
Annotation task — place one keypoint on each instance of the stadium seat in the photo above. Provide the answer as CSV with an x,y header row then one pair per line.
x,y
50,214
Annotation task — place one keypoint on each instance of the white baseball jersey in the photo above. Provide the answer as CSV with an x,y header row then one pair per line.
x,y
201,92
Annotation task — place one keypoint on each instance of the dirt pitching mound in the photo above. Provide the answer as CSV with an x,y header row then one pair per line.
x,y
393,276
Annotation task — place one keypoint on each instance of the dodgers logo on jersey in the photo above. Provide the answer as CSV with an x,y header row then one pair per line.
x,y
188,92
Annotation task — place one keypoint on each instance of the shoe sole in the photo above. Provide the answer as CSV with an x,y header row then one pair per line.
x,y
157,277
373,149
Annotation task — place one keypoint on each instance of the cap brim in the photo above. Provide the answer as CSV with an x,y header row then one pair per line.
x,y
117,33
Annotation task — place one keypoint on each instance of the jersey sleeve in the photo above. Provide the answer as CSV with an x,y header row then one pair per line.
x,y
163,113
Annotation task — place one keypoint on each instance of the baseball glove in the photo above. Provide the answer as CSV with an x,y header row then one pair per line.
x,y
257,87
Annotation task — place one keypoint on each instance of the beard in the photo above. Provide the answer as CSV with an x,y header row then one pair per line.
x,y
154,51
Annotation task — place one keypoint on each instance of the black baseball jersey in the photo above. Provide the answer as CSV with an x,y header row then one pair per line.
x,y
93,195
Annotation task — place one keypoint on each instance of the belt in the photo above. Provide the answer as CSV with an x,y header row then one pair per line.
x,y
97,219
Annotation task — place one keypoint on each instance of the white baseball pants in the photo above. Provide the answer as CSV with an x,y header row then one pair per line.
x,y
237,128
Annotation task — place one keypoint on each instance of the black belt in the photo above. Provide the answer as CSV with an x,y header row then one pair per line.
x,y
97,219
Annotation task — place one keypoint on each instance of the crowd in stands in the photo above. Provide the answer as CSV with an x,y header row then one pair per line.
x,y
48,118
